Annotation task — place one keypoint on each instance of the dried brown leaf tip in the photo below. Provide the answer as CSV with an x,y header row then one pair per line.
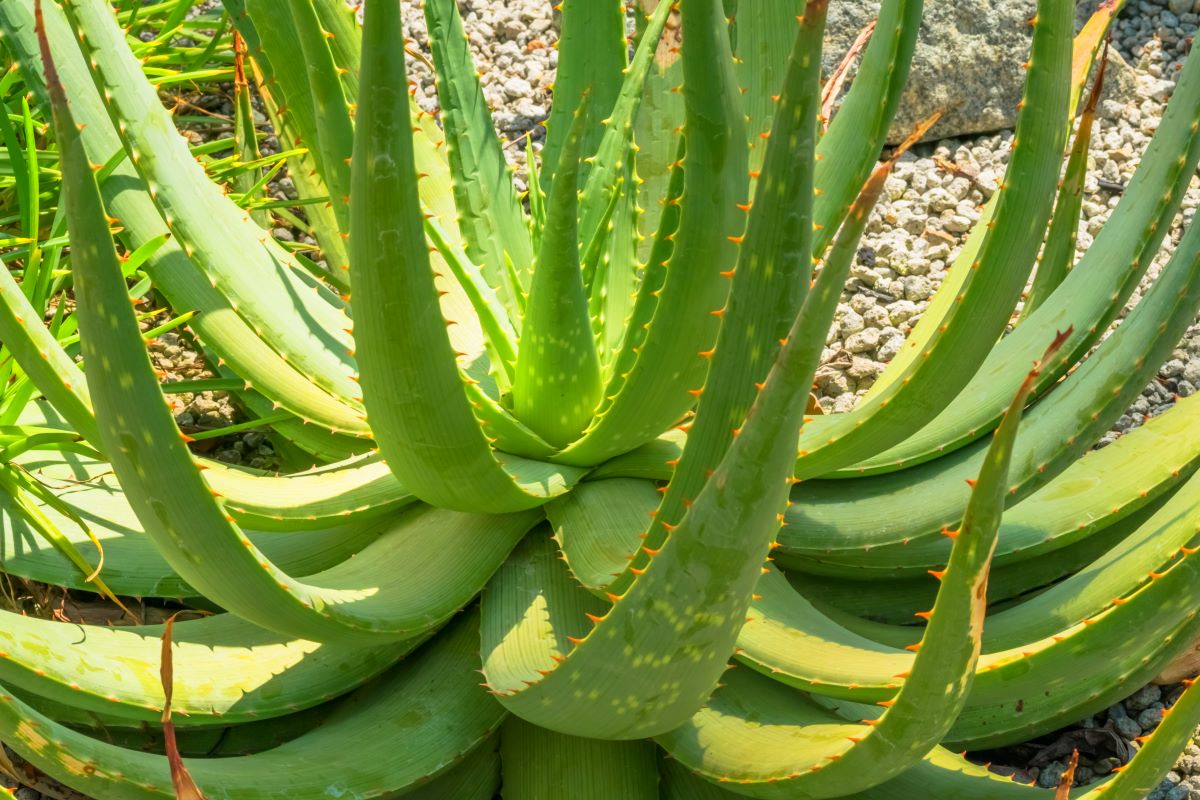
x,y
1068,778
185,787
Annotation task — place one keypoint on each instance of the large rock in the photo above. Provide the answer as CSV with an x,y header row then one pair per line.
x,y
968,62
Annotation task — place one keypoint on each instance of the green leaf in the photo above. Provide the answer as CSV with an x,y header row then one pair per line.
x,y
557,385
420,407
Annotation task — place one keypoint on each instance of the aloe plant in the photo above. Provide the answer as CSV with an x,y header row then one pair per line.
x,y
586,408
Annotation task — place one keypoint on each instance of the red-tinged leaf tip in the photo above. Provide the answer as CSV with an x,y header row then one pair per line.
x,y
185,787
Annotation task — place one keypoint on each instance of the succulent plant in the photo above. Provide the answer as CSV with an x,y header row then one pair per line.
x,y
584,404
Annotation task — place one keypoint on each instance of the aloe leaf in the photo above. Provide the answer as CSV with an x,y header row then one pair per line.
x,y
85,489
489,213
354,752
1100,488
1087,44
475,777
829,760
769,283
288,104
340,24
307,501
679,783
1090,301
618,364
831,277
247,182
173,273
420,407
795,643
1085,405
42,358
646,399
719,542
540,763
22,491
335,130
557,383
227,671
608,210
764,33
947,774
847,153
599,526
600,523
1084,499
534,196
592,60
255,272
358,488
998,274
655,130
1158,753
608,166
1058,255
186,522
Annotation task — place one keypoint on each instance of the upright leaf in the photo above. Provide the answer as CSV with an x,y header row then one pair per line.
x,y
557,384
